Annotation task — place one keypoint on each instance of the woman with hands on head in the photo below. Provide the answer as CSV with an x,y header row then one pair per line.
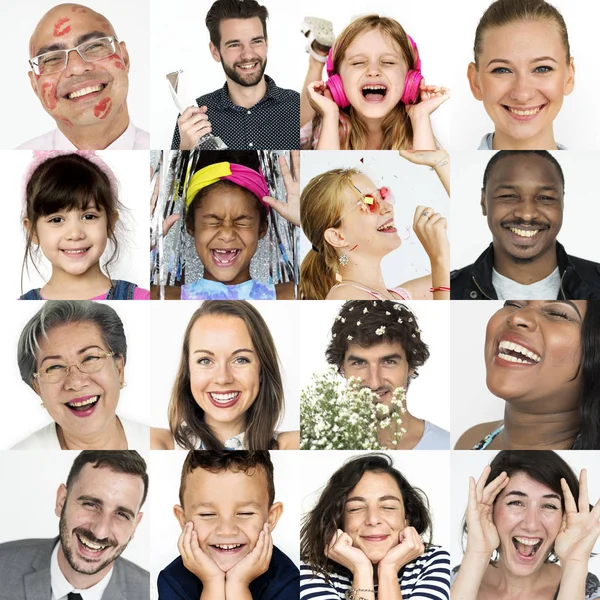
x,y
350,224
369,536
530,531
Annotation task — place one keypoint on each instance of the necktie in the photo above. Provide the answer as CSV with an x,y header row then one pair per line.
x,y
74,596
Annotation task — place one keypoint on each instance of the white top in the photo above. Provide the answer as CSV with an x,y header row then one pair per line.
x,y
545,289
434,438
132,138
61,588
488,140
137,435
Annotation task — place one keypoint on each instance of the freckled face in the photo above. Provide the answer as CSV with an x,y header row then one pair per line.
x,y
84,93
224,369
523,77
374,514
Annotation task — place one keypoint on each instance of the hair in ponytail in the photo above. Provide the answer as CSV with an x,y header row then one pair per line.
x,y
321,206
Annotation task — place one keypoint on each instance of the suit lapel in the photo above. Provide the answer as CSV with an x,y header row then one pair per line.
x,y
37,584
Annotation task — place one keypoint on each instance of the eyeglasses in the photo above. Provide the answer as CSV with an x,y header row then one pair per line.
x,y
52,62
57,371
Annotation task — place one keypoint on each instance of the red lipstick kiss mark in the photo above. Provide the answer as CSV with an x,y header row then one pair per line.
x,y
116,59
64,121
49,95
78,9
102,109
57,27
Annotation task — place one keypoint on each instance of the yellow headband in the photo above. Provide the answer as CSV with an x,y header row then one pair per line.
x,y
205,177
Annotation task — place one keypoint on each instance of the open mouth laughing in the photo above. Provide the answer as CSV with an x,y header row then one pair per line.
x,y
224,257
84,406
526,547
513,352
387,227
525,234
86,90
249,66
374,92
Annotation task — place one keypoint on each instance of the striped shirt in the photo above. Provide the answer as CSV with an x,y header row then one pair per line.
x,y
425,578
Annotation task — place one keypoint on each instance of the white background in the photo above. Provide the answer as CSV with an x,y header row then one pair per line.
x,y
467,464
429,395
472,402
411,184
131,172
428,470
170,321
470,234
23,116
179,40
33,477
20,410
578,124
166,468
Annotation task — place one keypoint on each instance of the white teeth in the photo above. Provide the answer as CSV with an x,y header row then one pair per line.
x,y
81,251
528,541
506,345
248,66
386,226
89,544
225,251
374,87
525,113
223,397
84,402
524,232
227,546
84,91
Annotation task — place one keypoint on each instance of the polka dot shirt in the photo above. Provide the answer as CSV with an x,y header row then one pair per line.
x,y
273,123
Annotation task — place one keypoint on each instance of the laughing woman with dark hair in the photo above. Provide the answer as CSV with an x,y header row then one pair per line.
x,y
530,531
543,359
369,536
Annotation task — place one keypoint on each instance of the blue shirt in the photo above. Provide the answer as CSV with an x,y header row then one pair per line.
x,y
280,582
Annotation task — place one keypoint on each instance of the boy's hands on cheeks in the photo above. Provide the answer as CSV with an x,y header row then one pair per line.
x,y
342,551
254,564
289,210
410,546
198,562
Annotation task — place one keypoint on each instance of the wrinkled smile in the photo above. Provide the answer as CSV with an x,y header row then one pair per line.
x,y
85,91
89,545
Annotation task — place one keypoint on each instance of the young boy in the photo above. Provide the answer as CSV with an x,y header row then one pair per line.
x,y
227,514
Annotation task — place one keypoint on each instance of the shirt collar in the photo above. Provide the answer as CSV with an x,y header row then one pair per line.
x,y
124,142
273,93
61,588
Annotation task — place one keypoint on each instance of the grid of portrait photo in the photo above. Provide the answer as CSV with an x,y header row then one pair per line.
x,y
291,266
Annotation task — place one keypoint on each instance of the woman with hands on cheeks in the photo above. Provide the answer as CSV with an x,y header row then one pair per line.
x,y
530,531
369,536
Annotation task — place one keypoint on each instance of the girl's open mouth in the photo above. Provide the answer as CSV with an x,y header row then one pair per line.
x,y
374,92
526,547
224,258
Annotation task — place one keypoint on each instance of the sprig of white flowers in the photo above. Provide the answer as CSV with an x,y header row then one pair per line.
x,y
337,414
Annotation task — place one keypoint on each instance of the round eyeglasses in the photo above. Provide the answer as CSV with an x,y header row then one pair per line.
x,y
55,372
52,62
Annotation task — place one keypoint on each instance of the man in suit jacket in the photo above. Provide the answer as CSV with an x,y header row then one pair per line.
x,y
99,511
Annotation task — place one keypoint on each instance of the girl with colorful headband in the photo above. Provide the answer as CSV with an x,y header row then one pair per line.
x,y
71,215
227,213
375,97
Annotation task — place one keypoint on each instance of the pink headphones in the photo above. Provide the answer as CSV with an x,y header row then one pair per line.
x,y
411,82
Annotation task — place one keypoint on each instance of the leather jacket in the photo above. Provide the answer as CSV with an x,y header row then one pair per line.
x,y
579,278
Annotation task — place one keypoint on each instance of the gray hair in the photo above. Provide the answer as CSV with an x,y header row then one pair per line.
x,y
55,313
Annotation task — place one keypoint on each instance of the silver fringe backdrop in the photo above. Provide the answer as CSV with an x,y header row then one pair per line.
x,y
173,257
